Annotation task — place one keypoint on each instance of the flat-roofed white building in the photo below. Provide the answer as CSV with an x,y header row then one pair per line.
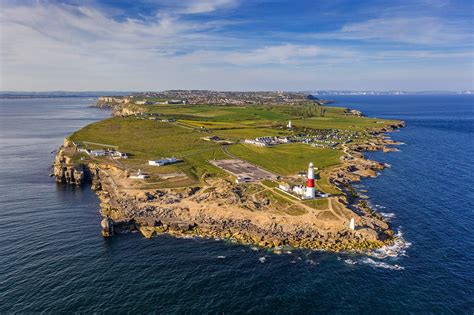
x,y
97,153
139,175
162,161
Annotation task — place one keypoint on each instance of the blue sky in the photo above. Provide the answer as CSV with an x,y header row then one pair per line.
x,y
236,45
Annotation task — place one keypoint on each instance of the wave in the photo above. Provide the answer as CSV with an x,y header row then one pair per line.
x,y
381,264
373,263
396,249
350,262
388,215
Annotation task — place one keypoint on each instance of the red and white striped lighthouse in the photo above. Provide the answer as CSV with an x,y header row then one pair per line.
x,y
310,184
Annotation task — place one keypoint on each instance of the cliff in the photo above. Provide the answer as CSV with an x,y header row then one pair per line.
x,y
120,106
207,202
224,210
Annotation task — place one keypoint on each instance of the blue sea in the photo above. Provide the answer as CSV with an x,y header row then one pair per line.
x,y
53,259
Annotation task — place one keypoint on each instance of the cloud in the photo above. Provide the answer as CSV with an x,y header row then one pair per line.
x,y
413,30
50,46
280,54
204,6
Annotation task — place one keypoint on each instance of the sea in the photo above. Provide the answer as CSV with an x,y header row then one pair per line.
x,y
53,259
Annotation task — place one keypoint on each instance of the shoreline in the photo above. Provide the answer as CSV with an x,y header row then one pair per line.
x,y
217,211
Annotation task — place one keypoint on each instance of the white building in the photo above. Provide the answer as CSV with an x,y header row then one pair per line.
x,y
119,155
139,175
97,153
284,187
162,161
299,190
256,142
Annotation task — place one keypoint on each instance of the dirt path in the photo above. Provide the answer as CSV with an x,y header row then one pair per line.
x,y
331,208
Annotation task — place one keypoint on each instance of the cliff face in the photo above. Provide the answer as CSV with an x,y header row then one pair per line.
x,y
109,101
121,106
220,210
224,210
64,170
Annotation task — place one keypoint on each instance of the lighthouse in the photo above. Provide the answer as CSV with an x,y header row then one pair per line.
x,y
310,183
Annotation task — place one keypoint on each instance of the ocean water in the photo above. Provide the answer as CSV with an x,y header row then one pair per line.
x,y
53,259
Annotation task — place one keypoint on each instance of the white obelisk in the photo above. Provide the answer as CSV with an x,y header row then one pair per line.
x,y
352,224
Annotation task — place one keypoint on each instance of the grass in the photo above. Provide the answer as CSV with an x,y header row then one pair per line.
x,y
340,122
247,133
318,204
287,159
280,203
145,139
219,113
324,185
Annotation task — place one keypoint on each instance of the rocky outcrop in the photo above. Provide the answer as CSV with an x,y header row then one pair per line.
x,y
224,210
64,170
121,106
355,112
110,101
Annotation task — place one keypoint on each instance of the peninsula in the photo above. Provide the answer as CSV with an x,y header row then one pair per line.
x,y
266,168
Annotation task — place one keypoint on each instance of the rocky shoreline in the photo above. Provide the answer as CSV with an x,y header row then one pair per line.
x,y
221,210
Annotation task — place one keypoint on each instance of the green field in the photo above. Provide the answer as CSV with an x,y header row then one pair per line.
x,y
287,159
220,113
144,139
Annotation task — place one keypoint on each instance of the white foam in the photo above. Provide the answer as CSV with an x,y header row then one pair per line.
x,y
398,248
380,206
350,262
262,259
380,264
388,215
220,257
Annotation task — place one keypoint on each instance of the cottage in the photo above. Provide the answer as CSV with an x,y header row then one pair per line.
x,y
139,175
119,155
285,187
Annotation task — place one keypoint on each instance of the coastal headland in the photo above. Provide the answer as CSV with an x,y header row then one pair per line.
x,y
231,165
